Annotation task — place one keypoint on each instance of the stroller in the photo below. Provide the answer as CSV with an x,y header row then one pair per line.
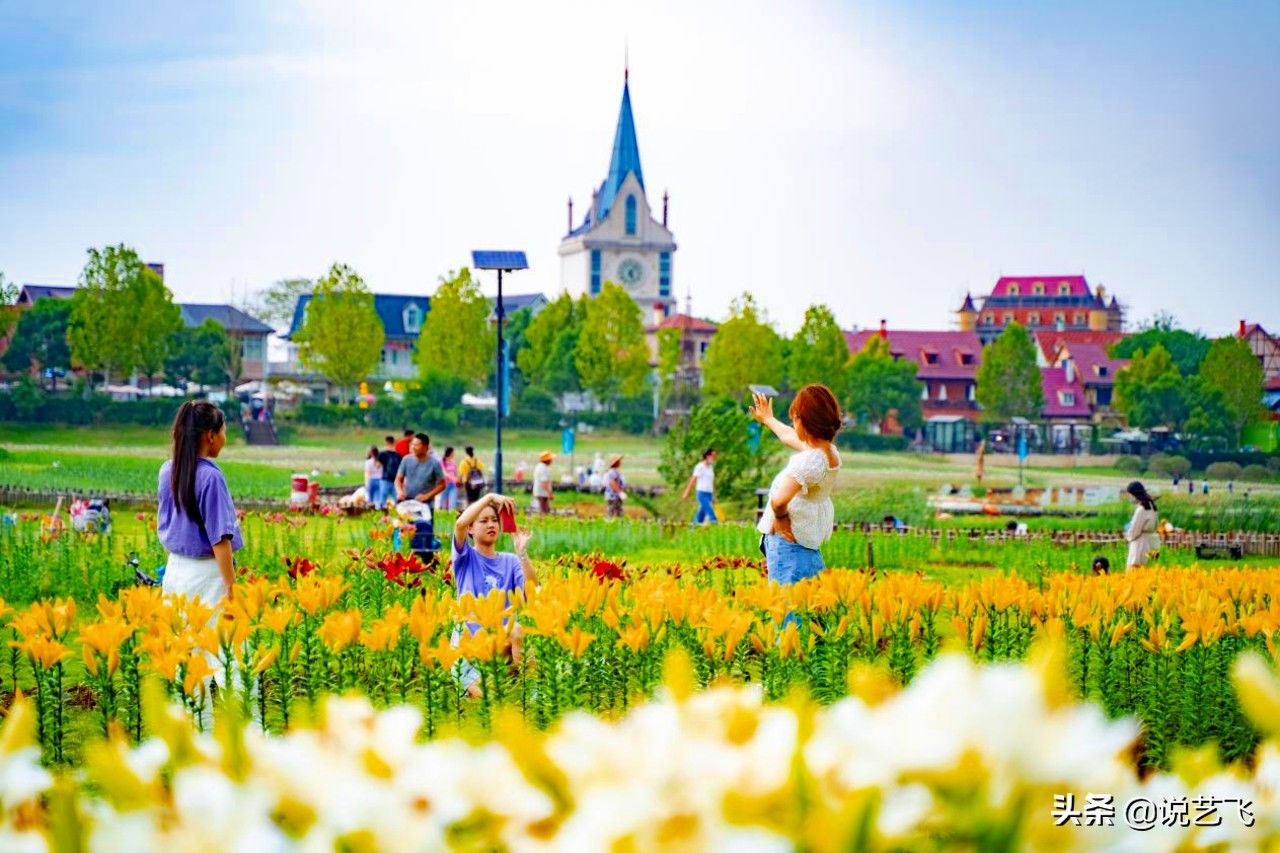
x,y
424,543
91,516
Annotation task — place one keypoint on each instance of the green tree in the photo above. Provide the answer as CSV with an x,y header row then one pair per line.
x,y
198,355
40,339
551,339
456,338
1008,378
1209,424
612,357
818,351
1231,367
99,329
745,350
1187,349
8,309
341,335
1151,392
514,335
154,319
876,384
725,425
276,304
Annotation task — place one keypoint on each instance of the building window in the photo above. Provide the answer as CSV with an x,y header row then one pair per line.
x,y
924,392
1068,398
1078,319
942,393
251,349
1012,289
1100,369
964,357
1064,289
1033,319
1059,318
971,393
1037,289
1008,318
595,271
1104,396
930,357
382,356
412,319
664,274
631,214
988,319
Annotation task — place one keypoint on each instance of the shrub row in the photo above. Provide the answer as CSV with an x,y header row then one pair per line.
x,y
1169,465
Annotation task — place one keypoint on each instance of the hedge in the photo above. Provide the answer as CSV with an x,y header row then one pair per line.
x,y
851,440
97,409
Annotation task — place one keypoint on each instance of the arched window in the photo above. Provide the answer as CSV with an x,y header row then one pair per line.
x,y
412,318
631,214
1064,289
1037,289
1012,290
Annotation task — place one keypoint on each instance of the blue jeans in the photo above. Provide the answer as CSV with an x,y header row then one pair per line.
x,y
788,562
382,490
706,509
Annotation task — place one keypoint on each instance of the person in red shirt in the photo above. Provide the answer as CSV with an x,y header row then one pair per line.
x,y
402,446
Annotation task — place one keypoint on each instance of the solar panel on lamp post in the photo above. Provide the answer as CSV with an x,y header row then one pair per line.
x,y
502,262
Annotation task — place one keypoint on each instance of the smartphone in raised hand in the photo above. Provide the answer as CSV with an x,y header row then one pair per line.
x,y
766,390
507,519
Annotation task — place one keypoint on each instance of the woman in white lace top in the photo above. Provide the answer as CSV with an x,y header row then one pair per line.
x,y
799,516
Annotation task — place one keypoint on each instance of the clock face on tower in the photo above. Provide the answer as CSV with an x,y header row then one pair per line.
x,y
631,273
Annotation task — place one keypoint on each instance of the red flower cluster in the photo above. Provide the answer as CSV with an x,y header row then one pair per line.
x,y
605,571
299,567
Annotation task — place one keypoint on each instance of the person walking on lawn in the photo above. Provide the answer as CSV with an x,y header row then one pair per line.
x,y
543,493
386,484
614,488
471,475
420,477
704,480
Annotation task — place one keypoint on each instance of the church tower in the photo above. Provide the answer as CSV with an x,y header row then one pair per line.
x,y
618,239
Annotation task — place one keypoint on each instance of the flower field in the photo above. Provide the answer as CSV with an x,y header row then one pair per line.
x,y
875,704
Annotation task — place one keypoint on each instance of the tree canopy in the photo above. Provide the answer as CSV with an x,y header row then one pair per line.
x,y
1231,368
876,384
1186,349
40,338
198,355
341,335
612,356
725,425
1008,381
456,337
551,339
818,352
745,350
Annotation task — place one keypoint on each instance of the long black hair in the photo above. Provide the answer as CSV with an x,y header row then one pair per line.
x,y
1139,492
195,418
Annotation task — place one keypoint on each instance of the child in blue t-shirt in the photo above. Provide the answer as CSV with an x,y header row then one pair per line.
x,y
479,568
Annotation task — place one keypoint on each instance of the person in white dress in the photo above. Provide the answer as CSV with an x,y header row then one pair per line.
x,y
800,516
1142,531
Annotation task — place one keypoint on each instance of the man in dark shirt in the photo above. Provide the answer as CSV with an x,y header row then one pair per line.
x,y
402,446
390,461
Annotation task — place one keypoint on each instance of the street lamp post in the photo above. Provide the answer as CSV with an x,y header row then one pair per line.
x,y
502,262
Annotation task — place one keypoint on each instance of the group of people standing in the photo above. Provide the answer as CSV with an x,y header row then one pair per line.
x,y
409,469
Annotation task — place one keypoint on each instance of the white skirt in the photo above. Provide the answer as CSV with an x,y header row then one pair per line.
x,y
1142,548
194,577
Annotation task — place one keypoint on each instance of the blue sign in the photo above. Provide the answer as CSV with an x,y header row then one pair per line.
x,y
753,433
1022,446
505,402
566,441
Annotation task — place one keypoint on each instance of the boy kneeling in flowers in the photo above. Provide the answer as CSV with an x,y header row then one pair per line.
x,y
479,568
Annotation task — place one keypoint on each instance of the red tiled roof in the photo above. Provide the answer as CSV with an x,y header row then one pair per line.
x,y
684,321
1053,381
1079,287
948,345
1272,384
1052,341
1088,358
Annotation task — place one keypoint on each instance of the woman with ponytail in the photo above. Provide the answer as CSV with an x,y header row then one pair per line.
x,y
1141,533
197,521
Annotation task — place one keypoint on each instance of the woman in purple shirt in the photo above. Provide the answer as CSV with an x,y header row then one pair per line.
x,y
197,521
479,568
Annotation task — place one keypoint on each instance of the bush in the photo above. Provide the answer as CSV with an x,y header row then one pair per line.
x,y
97,409
1256,473
1273,464
1170,465
1132,464
852,440
1223,471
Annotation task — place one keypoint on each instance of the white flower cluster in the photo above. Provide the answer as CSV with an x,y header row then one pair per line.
x,y
968,755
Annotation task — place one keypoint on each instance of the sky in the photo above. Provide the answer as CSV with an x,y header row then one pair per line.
x,y
881,158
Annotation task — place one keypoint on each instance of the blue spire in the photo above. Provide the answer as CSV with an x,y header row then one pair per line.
x,y
626,154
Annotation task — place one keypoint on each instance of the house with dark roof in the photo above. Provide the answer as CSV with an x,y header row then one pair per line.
x,y
947,363
1065,411
402,319
1096,371
513,302
1041,303
251,332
